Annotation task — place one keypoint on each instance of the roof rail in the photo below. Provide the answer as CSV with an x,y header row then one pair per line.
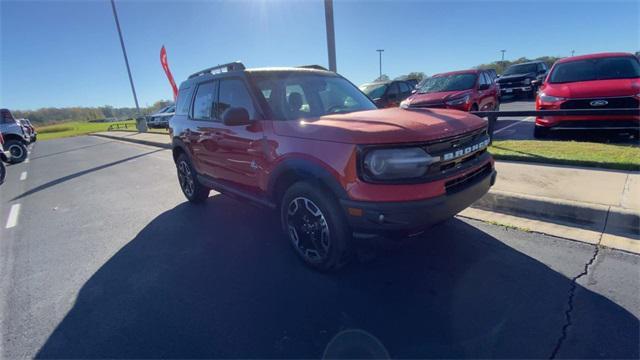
x,y
233,66
316,67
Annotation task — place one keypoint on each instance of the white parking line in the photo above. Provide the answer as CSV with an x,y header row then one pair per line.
x,y
23,176
12,220
529,118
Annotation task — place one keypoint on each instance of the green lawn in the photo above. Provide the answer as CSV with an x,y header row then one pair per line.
x,y
608,156
74,128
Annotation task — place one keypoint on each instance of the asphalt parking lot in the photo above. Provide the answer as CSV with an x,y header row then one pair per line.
x,y
515,128
104,258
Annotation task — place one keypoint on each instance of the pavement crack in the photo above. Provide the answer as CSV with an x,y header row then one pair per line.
x,y
572,291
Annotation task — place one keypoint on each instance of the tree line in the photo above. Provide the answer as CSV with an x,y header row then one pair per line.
x,y
55,115
499,66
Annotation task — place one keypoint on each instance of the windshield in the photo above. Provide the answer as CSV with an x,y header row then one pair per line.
x,y
292,96
374,91
455,82
521,69
623,67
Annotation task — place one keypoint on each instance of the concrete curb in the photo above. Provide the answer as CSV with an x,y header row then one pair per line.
x,y
136,141
610,220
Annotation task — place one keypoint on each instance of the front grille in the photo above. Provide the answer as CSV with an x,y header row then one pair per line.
x,y
462,182
627,102
511,84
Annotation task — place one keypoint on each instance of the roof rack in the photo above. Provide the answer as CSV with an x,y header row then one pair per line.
x,y
316,67
232,66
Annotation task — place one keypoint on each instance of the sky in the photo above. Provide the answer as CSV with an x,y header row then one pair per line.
x,y
67,53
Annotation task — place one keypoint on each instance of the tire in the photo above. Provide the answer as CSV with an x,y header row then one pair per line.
x,y
3,172
192,189
540,132
18,151
316,226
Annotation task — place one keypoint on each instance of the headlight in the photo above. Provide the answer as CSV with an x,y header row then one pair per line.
x,y
459,101
548,98
394,164
527,81
404,104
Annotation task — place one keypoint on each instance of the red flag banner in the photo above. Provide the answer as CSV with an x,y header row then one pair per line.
x,y
165,66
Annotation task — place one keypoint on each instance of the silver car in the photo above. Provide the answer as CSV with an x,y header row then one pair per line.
x,y
161,118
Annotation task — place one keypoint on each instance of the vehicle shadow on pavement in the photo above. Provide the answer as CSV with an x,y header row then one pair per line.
x,y
218,280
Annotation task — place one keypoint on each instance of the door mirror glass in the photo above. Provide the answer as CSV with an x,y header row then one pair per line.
x,y
236,116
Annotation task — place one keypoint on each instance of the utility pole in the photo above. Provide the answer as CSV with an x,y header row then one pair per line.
x,y
503,51
380,51
141,125
573,52
331,37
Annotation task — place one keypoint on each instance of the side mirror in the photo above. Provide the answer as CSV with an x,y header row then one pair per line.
x,y
236,116
497,76
414,91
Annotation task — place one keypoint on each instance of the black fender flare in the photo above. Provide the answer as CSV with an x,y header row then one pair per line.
x,y
303,168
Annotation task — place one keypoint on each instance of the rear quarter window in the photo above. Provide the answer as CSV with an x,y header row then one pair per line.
x,y
184,99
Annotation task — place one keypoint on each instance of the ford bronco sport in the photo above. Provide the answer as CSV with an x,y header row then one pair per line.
x,y
307,142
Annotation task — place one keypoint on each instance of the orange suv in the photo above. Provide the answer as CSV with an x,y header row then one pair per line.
x,y
307,142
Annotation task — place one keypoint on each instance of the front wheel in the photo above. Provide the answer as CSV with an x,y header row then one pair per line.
x,y
192,189
18,151
316,227
3,172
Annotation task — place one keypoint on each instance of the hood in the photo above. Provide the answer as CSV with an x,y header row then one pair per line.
x,y
514,77
435,97
595,88
384,126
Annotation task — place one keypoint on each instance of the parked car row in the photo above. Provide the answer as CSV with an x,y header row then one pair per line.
x,y
596,81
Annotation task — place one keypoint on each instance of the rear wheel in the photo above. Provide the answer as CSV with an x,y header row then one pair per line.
x,y
192,189
18,151
3,172
316,227
540,132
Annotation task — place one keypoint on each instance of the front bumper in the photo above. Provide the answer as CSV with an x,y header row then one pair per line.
x,y
407,218
599,122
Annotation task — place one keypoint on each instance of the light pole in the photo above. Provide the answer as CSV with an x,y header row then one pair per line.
x,y
141,125
380,51
331,37
573,52
503,51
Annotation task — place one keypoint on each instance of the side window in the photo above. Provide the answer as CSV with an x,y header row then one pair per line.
x,y
296,99
203,102
404,88
482,79
393,89
233,93
184,99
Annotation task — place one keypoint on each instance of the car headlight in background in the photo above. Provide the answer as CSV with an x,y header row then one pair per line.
x,y
458,101
394,164
548,98
527,81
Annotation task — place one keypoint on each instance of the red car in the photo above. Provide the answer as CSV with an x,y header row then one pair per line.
x,y
308,143
467,90
596,81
